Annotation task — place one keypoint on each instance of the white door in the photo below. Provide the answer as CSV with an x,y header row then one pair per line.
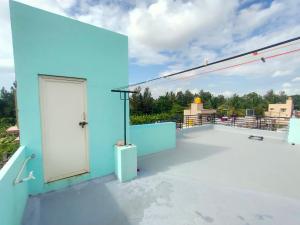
x,y
64,132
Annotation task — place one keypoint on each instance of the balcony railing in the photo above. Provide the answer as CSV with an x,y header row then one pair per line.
x,y
253,122
197,120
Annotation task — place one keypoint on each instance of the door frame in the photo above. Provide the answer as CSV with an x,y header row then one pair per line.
x,y
67,79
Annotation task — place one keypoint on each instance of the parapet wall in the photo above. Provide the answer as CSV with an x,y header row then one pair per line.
x,y
152,138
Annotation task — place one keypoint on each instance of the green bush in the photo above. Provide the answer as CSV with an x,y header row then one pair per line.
x,y
8,145
143,119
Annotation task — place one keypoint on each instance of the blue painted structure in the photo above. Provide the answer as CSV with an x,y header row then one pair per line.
x,y
152,138
12,197
294,131
45,43
48,44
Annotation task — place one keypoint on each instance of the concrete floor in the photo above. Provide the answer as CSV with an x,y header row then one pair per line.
x,y
214,176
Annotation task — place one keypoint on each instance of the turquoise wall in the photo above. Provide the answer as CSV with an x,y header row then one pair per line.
x,y
155,137
45,43
294,131
12,197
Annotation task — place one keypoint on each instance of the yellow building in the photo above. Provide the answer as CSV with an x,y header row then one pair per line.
x,y
281,110
196,114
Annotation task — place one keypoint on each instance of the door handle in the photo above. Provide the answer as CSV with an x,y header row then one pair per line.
x,y
83,123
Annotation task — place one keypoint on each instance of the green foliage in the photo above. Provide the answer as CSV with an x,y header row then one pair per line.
x,y
7,103
145,109
296,99
8,145
142,119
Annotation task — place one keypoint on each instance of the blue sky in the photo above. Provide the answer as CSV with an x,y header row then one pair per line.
x,y
167,36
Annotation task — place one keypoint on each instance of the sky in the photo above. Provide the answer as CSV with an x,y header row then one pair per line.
x,y
167,36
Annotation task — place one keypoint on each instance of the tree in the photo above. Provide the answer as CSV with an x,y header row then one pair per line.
x,y
135,102
296,100
180,99
176,109
188,98
173,104
147,102
163,104
7,103
282,97
271,97
206,98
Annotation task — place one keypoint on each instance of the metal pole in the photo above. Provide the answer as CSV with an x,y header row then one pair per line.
x,y
125,142
126,93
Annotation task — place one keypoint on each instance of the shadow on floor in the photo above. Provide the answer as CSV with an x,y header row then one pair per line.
x,y
185,152
88,203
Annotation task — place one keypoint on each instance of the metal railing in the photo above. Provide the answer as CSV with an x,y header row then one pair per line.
x,y
198,120
253,122
263,123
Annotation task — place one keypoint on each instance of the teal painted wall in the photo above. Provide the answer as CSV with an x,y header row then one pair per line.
x,y
12,197
151,138
45,43
294,131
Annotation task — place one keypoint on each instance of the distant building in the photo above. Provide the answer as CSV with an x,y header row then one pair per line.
x,y
195,114
281,110
197,108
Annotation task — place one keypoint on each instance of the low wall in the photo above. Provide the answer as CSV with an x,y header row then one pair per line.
x,y
13,198
294,131
151,138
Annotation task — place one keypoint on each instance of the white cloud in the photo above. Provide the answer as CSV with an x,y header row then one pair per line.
x,y
225,93
167,25
282,73
171,26
109,16
292,87
255,16
54,6
66,4
296,79
195,90
6,52
291,91
286,85
212,85
181,34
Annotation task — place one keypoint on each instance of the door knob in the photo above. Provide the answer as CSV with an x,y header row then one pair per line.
x,y
83,123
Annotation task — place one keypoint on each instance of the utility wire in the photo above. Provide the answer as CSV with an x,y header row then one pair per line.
x,y
215,62
233,66
242,63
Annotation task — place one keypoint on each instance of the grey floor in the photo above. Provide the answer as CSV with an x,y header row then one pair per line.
x,y
214,176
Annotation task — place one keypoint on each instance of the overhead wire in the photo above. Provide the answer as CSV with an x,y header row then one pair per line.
x,y
243,63
253,60
254,53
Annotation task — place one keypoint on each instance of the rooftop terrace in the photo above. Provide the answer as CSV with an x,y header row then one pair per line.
x,y
74,131
215,175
